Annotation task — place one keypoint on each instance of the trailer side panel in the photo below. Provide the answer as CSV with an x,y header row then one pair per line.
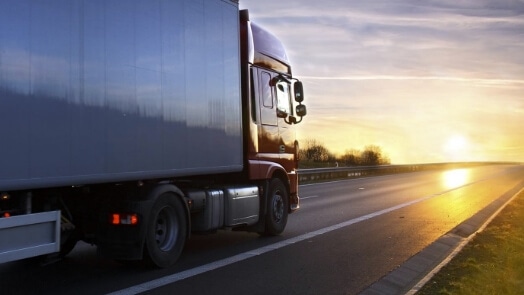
x,y
104,91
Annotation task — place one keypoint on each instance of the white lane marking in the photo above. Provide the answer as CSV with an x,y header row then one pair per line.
x,y
310,197
170,279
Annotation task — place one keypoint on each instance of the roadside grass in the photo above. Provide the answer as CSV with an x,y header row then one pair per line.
x,y
491,263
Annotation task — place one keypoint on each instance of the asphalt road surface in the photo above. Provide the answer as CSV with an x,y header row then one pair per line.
x,y
346,236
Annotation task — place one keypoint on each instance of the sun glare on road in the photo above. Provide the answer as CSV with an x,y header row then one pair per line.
x,y
455,178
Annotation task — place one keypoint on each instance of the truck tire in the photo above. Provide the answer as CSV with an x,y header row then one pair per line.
x,y
166,231
277,207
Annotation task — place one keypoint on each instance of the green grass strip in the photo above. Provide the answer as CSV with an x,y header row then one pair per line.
x,y
491,263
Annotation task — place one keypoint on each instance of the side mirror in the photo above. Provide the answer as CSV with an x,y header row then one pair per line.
x,y
301,110
299,91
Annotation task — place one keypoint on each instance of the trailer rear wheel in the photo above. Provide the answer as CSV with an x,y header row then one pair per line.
x,y
277,207
166,231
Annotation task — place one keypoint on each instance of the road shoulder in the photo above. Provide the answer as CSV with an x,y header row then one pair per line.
x,y
419,269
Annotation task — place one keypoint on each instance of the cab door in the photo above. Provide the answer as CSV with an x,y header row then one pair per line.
x,y
286,131
276,137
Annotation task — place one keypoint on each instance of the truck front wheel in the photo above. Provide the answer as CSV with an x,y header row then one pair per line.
x,y
166,231
277,207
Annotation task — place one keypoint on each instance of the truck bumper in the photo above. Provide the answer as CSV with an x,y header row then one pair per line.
x,y
30,235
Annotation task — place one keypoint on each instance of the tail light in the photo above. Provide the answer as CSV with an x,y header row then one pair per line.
x,y
124,219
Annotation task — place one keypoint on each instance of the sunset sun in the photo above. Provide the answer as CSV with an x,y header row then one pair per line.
x,y
456,147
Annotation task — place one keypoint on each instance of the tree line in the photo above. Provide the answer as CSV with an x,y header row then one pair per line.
x,y
315,154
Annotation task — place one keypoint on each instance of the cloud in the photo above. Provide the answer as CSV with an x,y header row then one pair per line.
x,y
388,12
398,38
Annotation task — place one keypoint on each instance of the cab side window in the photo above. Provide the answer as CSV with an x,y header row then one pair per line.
x,y
267,96
266,101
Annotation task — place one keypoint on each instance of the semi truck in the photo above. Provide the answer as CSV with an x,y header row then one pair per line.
x,y
133,124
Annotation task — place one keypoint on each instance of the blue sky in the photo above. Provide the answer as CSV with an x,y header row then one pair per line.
x,y
428,81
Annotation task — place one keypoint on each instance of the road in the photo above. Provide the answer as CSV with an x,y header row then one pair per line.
x,y
346,236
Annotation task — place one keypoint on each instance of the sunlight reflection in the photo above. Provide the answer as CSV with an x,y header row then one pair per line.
x,y
455,178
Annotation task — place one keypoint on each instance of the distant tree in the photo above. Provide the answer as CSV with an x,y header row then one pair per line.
x,y
372,155
315,154
315,151
350,157
385,160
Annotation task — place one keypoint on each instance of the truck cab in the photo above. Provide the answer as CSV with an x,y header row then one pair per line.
x,y
275,99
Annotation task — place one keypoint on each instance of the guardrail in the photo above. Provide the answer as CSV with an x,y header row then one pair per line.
x,y
323,174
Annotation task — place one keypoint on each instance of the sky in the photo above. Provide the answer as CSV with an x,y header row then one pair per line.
x,y
427,81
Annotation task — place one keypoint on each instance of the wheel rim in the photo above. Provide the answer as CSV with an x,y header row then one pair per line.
x,y
278,207
166,229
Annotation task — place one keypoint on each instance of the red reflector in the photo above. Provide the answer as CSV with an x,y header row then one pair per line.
x,y
6,214
134,219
